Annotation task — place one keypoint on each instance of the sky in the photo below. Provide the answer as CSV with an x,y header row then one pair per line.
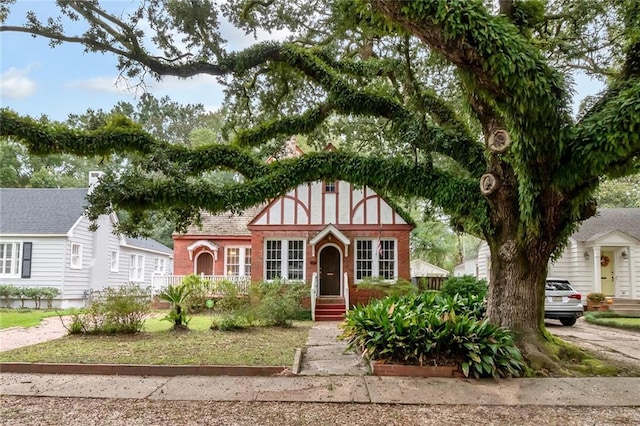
x,y
36,79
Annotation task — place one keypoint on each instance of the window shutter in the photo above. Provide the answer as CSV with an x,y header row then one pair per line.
x,y
26,260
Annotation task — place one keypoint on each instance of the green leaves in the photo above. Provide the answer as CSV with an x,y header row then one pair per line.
x,y
429,329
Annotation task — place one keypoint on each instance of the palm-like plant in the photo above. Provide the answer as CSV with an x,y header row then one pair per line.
x,y
177,295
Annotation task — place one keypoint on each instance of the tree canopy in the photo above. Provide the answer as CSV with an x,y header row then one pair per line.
x,y
465,103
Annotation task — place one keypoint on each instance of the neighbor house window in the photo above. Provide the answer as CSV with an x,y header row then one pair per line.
x,y
284,259
238,261
378,262
114,260
159,265
10,259
136,268
76,256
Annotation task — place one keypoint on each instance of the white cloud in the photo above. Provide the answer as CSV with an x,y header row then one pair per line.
x,y
15,84
108,84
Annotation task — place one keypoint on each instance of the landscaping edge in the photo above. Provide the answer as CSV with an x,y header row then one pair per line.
x,y
142,370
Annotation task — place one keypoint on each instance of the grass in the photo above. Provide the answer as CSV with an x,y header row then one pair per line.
x,y
159,345
25,317
611,319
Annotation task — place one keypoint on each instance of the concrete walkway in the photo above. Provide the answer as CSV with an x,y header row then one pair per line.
x,y
17,337
594,392
326,355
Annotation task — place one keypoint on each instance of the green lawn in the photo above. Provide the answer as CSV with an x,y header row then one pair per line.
x,y
25,317
158,344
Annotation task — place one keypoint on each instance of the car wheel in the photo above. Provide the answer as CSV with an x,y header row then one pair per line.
x,y
568,321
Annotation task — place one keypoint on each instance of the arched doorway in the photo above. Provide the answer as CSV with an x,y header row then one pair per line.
x,y
204,263
329,267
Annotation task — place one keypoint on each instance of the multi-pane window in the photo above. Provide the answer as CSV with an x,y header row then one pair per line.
x,y
114,260
76,256
10,258
233,261
295,257
247,261
136,268
378,262
159,265
330,186
364,259
238,261
284,259
273,257
386,259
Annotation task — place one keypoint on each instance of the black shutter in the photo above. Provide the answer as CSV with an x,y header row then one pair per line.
x,y
26,260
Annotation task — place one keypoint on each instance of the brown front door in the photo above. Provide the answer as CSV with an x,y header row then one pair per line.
x,y
329,272
204,264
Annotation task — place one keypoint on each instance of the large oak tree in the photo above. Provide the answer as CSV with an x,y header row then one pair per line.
x,y
463,103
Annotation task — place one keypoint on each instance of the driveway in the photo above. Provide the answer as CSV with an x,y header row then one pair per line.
x,y
623,343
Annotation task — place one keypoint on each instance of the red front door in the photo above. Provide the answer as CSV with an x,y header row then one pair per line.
x,y
204,264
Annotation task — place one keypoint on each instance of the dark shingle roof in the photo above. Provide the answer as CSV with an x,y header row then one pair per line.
x,y
149,244
226,223
40,210
609,220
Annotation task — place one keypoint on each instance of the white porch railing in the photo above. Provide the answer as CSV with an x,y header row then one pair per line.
x,y
160,282
314,294
345,279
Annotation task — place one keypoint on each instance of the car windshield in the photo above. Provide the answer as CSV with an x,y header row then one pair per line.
x,y
558,286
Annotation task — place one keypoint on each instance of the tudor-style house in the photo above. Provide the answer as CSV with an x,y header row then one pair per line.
x,y
333,232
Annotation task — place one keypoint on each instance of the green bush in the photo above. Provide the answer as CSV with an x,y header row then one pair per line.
x,y
49,293
8,292
278,304
393,288
228,298
427,329
229,322
466,286
119,310
200,290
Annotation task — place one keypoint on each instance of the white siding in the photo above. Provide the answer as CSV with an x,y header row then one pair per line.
x,y
47,264
77,281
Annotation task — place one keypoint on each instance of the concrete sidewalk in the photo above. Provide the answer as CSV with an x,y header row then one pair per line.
x,y
594,392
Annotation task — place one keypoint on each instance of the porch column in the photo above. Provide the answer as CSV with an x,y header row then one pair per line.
x,y
597,271
633,283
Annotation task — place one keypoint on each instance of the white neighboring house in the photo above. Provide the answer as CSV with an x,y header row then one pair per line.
x,y
603,255
45,241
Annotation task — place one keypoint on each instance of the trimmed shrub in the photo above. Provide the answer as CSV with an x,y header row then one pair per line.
x,y
430,329
8,292
49,293
466,286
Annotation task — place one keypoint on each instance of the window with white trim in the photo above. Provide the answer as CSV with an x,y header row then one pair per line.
x,y
159,265
380,262
136,268
238,261
114,260
284,259
75,262
10,258
330,187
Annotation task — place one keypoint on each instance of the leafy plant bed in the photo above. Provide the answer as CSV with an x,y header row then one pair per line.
x,y
159,345
386,369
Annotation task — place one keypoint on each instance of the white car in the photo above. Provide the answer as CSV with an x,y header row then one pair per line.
x,y
562,302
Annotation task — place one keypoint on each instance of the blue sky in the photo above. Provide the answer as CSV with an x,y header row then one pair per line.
x,y
36,79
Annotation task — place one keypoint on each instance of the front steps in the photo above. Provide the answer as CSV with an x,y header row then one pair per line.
x,y
626,307
330,309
